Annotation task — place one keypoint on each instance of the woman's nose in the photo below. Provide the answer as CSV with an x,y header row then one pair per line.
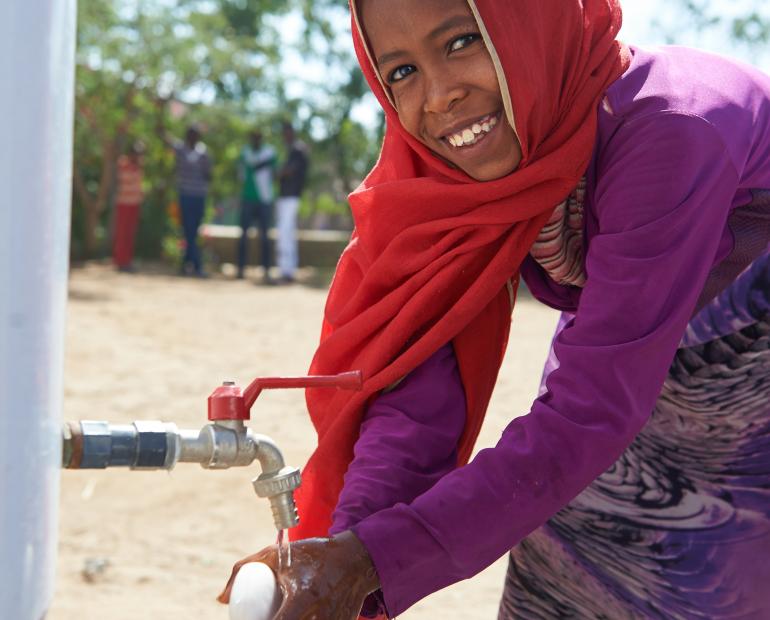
x,y
441,94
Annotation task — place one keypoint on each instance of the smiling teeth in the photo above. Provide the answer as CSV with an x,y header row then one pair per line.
x,y
472,134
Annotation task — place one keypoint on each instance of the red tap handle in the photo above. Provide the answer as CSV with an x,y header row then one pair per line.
x,y
344,381
227,402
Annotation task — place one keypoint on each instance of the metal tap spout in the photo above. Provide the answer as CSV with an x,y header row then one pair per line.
x,y
277,482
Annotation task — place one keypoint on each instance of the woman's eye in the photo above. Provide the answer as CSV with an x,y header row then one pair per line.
x,y
399,73
463,41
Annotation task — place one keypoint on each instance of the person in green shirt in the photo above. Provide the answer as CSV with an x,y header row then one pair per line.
x,y
256,167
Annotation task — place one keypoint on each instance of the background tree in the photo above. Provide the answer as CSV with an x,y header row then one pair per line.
x,y
745,22
218,63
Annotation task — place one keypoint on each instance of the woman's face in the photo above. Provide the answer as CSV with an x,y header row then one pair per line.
x,y
431,56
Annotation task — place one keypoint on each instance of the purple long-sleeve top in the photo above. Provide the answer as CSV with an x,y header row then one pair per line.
x,y
683,139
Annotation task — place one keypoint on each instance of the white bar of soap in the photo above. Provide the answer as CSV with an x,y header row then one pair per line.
x,y
255,594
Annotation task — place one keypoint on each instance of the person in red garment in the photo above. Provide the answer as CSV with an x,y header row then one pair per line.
x,y
630,188
128,206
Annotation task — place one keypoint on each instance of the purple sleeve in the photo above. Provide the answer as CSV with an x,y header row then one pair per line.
x,y
664,190
408,441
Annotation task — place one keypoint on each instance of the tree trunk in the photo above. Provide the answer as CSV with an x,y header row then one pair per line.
x,y
95,204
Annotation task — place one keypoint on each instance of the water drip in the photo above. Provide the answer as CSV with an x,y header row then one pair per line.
x,y
280,550
288,552
281,538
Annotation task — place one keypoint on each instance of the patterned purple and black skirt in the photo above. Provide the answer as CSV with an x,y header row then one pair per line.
x,y
679,527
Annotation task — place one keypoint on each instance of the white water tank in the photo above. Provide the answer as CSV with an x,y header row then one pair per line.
x,y
37,44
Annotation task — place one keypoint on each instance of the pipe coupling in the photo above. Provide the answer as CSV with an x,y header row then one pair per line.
x,y
284,480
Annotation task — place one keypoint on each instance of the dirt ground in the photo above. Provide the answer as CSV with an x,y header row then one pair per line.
x,y
137,545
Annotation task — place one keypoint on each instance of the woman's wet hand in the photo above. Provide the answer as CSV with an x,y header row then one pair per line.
x,y
328,578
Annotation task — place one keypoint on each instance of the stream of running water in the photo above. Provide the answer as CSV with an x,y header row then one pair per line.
x,y
282,536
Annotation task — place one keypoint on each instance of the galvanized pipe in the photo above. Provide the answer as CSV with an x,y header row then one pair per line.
x,y
157,445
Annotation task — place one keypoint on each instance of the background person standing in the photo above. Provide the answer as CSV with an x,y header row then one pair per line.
x,y
292,182
256,167
128,203
193,176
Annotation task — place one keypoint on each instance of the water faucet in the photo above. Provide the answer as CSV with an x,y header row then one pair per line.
x,y
223,443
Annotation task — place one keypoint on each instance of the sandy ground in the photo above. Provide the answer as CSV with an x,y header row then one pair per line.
x,y
153,346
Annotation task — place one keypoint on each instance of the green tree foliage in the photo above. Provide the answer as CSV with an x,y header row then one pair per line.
x,y
746,22
143,64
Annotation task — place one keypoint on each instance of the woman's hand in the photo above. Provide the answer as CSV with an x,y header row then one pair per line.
x,y
328,579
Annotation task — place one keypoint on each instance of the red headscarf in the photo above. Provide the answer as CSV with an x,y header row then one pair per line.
x,y
435,255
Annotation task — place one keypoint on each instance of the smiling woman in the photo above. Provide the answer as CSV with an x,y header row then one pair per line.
x,y
439,74
633,194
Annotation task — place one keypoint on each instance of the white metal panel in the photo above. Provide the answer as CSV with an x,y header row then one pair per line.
x,y
37,41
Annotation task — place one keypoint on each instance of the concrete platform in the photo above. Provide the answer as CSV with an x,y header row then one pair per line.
x,y
317,248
